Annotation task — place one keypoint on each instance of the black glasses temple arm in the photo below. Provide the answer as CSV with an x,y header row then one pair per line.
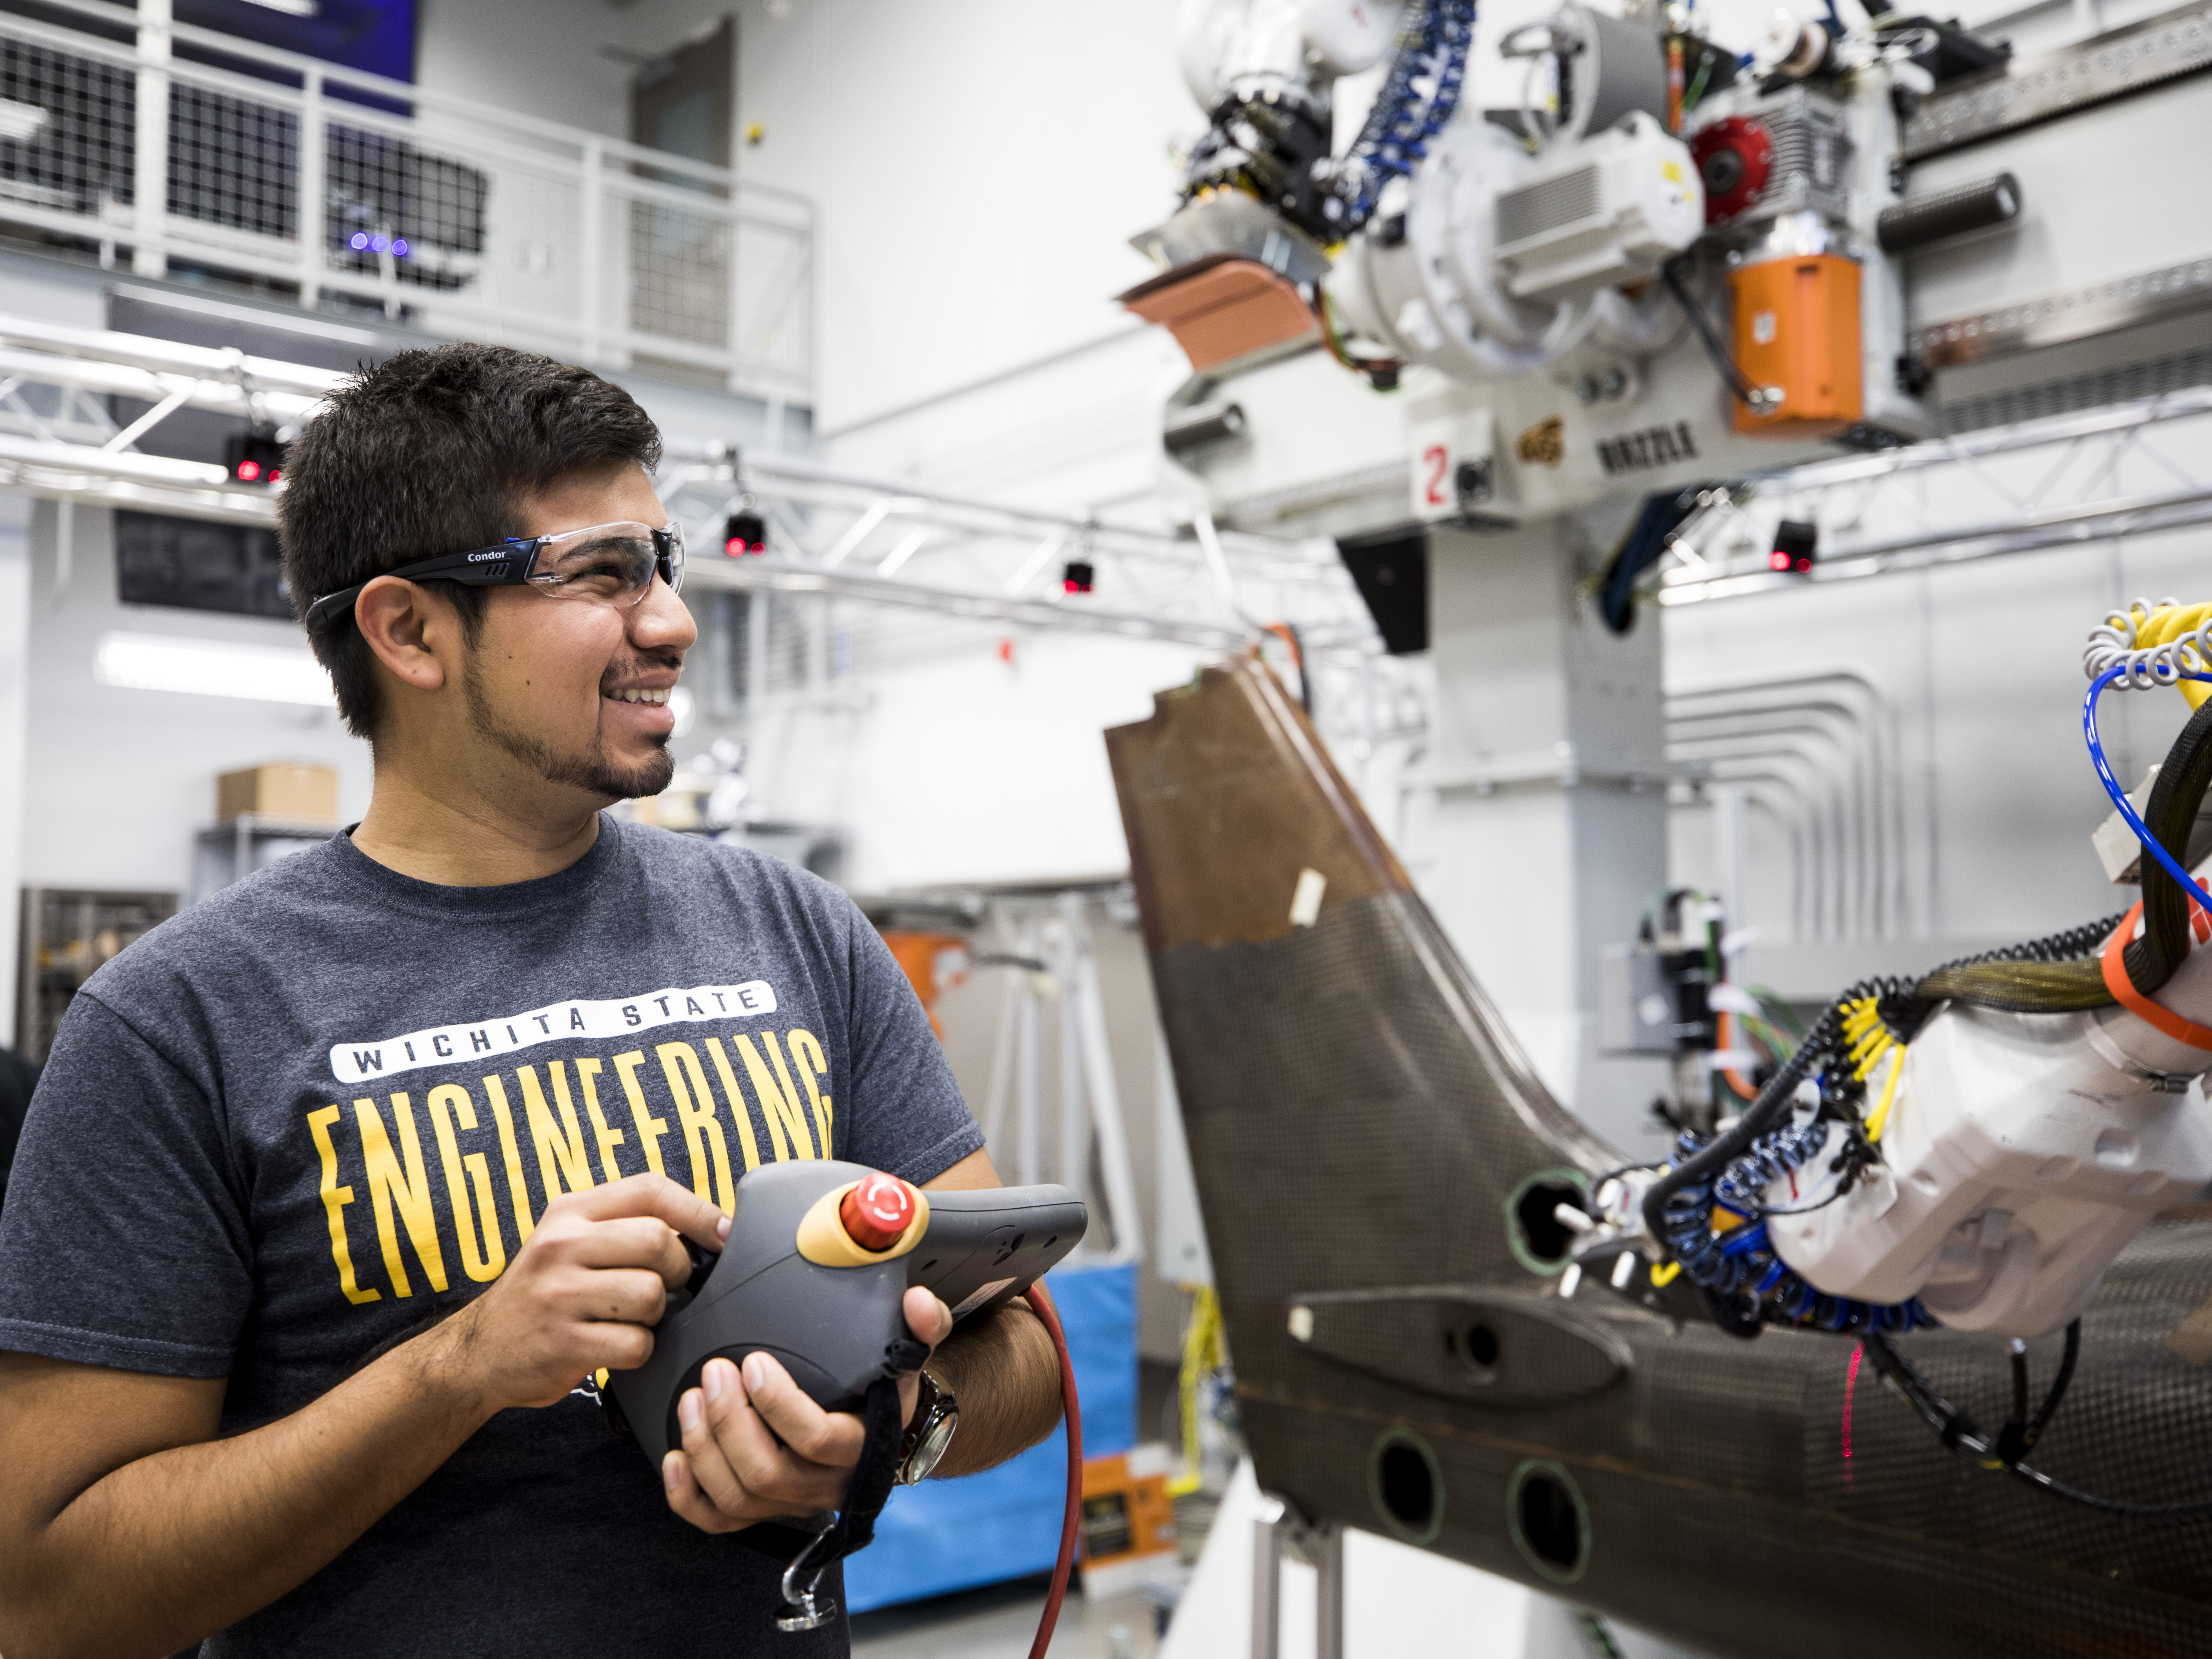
x,y
471,568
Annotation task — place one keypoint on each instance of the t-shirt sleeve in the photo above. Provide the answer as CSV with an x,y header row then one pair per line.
x,y
124,1240
909,1117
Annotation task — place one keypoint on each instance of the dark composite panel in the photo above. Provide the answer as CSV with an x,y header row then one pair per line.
x,y
1361,1123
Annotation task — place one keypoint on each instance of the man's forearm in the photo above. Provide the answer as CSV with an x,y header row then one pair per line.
x,y
181,1542
1006,1373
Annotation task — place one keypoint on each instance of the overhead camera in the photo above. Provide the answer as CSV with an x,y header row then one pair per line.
x,y
254,458
743,533
1795,544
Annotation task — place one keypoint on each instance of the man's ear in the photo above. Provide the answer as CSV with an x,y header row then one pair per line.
x,y
415,633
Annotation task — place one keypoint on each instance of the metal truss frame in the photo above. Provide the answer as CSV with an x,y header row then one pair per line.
x,y
845,535
2003,493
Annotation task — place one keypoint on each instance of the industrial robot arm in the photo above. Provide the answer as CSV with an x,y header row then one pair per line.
x,y
1974,1147
1667,262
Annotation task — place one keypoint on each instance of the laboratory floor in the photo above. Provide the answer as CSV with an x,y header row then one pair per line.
x,y
1000,1621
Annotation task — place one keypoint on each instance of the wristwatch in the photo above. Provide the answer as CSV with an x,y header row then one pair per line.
x,y
936,1414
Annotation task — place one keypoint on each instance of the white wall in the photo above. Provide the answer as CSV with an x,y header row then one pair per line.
x,y
968,768
1983,664
532,56
117,779
979,165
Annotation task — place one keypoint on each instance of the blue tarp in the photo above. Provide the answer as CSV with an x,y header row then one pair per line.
x,y
1005,1522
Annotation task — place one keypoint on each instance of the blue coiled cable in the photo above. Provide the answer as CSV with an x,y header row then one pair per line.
x,y
1395,135
1742,1260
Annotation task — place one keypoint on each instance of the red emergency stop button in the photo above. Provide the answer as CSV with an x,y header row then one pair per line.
x,y
878,1212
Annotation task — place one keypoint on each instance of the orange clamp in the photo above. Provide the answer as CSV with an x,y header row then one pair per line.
x,y
2155,1015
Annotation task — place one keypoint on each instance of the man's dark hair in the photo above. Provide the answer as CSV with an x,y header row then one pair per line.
x,y
430,452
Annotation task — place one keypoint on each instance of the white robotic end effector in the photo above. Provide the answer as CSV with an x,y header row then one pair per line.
x,y
2018,1153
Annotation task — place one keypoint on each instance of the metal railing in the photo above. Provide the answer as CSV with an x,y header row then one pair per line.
x,y
462,220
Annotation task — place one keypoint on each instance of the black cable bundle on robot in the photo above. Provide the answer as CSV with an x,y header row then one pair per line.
x,y
1658,518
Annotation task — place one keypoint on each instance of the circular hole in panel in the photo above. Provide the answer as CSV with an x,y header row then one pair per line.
x,y
1540,1239
1405,1485
1548,1519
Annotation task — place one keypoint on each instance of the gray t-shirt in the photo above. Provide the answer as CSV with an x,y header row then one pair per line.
x,y
292,1125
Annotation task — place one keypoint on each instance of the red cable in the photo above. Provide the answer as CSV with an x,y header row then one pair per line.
x,y
1042,1303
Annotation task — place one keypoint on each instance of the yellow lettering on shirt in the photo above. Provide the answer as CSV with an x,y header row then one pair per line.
x,y
561,1144
787,1124
587,1074
409,1193
649,1128
694,1110
518,1189
482,1259
739,1113
809,1062
334,1199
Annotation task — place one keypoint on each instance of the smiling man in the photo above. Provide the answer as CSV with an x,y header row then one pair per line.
x,y
341,1192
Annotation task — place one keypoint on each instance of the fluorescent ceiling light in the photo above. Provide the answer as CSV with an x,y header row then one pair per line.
x,y
19,121
212,668
290,8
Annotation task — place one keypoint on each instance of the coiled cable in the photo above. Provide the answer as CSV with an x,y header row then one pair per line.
x,y
2154,644
1402,119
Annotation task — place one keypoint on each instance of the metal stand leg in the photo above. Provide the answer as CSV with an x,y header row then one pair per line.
x,y
1266,1577
1325,1547
1276,1527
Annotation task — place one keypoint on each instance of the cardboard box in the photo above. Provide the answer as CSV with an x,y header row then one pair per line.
x,y
1128,1521
291,790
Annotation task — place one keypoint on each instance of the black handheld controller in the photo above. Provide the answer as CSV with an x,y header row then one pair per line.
x,y
798,1278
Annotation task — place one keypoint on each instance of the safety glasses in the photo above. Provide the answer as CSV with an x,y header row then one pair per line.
x,y
611,564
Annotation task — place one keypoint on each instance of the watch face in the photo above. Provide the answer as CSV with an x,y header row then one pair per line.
x,y
935,1437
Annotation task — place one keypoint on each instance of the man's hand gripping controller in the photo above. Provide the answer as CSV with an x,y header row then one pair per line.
x,y
814,1273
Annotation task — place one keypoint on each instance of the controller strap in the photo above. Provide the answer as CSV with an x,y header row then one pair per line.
x,y
811,1555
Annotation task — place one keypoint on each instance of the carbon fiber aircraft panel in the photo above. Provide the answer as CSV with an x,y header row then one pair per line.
x,y
1376,1159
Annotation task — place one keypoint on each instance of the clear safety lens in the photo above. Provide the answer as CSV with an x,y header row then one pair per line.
x,y
609,563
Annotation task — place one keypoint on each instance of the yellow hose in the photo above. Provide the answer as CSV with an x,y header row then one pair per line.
x,y
1203,1354
1879,1120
